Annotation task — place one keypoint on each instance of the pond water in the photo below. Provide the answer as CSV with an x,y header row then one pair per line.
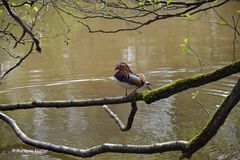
x,y
83,69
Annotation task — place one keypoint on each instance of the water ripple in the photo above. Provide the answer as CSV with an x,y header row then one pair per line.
x,y
57,83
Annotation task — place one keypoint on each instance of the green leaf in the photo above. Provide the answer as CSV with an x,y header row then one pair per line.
x,y
151,2
169,1
141,3
222,22
35,9
195,94
186,50
13,4
238,11
183,45
188,16
186,40
1,11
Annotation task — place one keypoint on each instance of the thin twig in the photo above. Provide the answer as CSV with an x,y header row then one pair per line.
x,y
199,103
18,63
235,24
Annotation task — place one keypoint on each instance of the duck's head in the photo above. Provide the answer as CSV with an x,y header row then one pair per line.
x,y
122,66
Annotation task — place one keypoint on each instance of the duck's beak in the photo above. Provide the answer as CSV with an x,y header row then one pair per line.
x,y
116,69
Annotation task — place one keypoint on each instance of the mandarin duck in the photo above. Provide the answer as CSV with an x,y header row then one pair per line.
x,y
129,80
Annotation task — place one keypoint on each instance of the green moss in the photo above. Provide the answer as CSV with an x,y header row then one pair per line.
x,y
186,83
167,90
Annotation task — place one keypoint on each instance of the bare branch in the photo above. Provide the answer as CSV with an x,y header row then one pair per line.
x,y
225,21
65,104
118,121
106,147
209,7
9,53
26,2
18,63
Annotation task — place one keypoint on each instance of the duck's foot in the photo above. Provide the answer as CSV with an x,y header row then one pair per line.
x,y
133,93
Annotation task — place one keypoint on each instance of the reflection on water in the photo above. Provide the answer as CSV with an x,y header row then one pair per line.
x,y
129,53
158,118
84,69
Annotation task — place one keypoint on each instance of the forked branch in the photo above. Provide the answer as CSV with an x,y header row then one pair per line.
x,y
18,63
106,147
118,121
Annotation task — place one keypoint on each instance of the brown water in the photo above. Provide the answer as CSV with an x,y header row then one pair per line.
x,y
84,69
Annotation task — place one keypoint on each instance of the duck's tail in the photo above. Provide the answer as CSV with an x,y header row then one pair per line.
x,y
147,84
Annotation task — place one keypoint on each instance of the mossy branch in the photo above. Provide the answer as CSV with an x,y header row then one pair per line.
x,y
186,83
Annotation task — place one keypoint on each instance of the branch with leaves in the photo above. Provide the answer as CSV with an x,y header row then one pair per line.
x,y
135,14
22,17
25,27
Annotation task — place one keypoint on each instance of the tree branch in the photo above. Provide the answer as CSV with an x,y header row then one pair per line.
x,y
22,24
191,82
216,121
118,121
106,147
18,63
134,13
65,104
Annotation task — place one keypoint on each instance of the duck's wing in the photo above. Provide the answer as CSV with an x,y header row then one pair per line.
x,y
135,79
